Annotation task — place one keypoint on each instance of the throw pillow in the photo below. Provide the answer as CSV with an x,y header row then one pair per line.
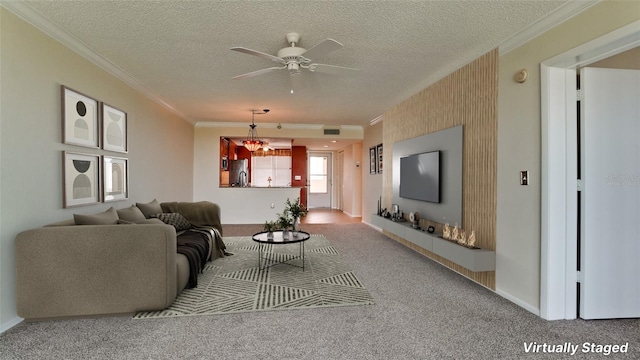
x,y
175,219
108,217
150,209
131,214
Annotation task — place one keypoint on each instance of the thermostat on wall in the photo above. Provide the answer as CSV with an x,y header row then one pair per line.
x,y
297,177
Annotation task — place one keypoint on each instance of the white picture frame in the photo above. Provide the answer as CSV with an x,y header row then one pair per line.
x,y
79,119
115,178
114,129
81,179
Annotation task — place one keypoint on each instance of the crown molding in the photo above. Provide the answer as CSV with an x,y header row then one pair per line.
x,y
36,19
610,44
376,120
228,124
561,14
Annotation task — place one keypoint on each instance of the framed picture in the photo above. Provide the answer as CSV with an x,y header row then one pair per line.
x,y
379,154
372,160
79,119
114,129
115,178
81,179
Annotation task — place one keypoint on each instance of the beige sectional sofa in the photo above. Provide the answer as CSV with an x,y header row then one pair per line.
x,y
66,270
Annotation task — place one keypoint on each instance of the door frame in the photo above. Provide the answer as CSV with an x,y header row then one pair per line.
x,y
558,252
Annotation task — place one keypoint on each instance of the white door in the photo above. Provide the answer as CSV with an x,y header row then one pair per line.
x,y
610,199
319,180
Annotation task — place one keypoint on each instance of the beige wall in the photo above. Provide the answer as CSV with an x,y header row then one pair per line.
x,y
629,59
352,180
32,68
371,184
519,146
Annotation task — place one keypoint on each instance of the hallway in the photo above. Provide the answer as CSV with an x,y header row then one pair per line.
x,y
328,216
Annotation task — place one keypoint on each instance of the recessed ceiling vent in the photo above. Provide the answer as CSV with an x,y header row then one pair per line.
x,y
332,131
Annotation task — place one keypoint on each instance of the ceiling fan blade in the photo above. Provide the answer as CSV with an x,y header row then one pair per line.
x,y
322,48
259,53
259,72
332,69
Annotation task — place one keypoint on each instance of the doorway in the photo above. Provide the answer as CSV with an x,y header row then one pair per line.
x,y
320,185
561,228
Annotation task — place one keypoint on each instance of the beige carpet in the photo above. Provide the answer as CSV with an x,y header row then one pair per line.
x,y
236,284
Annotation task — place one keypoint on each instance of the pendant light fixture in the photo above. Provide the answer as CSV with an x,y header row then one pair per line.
x,y
253,142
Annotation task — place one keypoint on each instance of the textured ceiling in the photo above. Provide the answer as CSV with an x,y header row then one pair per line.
x,y
179,50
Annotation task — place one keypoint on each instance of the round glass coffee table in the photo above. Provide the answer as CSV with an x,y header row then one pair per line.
x,y
268,258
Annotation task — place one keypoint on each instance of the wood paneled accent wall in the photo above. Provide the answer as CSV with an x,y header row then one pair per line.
x,y
467,97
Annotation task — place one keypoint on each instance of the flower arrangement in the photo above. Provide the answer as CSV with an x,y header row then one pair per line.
x,y
296,209
270,226
288,219
284,221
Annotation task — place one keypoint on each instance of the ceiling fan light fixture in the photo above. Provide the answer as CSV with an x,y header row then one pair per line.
x,y
298,59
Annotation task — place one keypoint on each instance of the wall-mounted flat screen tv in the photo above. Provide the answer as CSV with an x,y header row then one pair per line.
x,y
420,177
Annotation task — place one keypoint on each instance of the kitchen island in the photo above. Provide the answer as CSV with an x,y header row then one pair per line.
x,y
252,205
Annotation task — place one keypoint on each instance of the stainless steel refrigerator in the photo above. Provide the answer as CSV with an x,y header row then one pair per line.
x,y
239,172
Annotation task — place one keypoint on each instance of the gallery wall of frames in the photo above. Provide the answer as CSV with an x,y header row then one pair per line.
x,y
94,176
375,159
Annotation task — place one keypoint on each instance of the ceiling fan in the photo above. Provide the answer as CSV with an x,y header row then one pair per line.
x,y
295,59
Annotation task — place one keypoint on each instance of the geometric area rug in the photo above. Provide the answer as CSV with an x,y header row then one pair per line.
x,y
234,284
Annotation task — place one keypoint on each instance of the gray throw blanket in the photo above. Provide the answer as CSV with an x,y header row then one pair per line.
x,y
203,215
195,246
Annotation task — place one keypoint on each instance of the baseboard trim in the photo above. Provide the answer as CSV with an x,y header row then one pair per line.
x,y
372,226
530,308
9,324
351,215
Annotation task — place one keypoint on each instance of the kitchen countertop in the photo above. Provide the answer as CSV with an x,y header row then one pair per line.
x,y
258,187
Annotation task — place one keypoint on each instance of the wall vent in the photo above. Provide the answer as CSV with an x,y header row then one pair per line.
x,y
332,131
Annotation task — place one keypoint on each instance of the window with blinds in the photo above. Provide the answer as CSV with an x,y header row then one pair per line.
x,y
276,168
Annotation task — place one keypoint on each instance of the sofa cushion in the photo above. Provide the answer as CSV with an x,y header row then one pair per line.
x,y
108,217
175,219
150,209
131,214
68,222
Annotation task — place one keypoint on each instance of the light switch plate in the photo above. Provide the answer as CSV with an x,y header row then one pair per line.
x,y
524,177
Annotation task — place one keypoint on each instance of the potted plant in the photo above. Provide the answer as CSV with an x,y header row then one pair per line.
x,y
269,227
284,222
297,211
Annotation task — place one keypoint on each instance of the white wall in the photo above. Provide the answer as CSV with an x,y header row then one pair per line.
x,y
33,66
519,146
244,206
